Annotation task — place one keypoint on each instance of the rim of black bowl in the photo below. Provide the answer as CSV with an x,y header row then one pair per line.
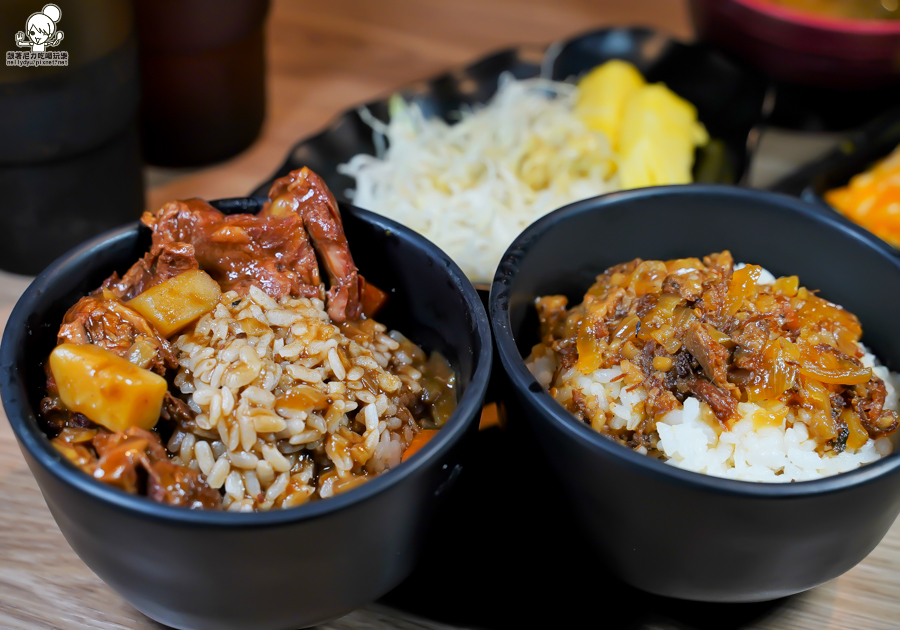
x,y
24,421
811,196
523,380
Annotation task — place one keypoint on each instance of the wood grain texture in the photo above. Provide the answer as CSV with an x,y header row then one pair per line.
x,y
324,57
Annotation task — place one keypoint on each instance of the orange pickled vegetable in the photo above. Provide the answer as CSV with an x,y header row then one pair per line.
x,y
490,417
822,426
625,331
422,438
872,199
743,285
373,299
655,324
823,365
590,345
788,286
779,373
828,323
648,277
858,435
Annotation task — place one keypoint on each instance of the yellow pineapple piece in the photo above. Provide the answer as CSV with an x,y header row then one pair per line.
x,y
106,388
602,95
179,301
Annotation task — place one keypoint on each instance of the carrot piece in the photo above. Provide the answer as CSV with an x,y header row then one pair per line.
x,y
490,417
422,438
373,299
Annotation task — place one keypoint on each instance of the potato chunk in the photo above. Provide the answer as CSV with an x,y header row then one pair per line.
x,y
179,301
107,388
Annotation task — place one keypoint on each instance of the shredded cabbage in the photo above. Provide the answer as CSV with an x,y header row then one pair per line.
x,y
473,186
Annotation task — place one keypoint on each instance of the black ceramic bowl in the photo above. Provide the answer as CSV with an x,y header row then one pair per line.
x,y
282,569
670,531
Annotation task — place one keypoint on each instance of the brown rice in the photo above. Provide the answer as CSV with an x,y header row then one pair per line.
x,y
290,407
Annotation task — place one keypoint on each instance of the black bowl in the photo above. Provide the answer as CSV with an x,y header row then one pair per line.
x,y
282,569
670,531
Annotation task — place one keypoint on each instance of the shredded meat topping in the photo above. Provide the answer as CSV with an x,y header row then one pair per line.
x,y
688,327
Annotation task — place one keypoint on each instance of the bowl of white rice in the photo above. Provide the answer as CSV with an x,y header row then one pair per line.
x,y
696,500
270,570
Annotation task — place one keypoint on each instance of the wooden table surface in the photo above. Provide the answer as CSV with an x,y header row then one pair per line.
x,y
323,58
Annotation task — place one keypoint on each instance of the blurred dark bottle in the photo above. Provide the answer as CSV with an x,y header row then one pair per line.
x,y
70,163
203,78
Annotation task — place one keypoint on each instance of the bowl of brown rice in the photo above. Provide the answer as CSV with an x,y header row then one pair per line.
x,y
247,565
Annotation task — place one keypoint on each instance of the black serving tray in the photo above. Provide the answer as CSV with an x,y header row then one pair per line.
x,y
857,153
729,98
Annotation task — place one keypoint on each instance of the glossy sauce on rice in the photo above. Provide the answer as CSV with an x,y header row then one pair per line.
x,y
291,407
718,368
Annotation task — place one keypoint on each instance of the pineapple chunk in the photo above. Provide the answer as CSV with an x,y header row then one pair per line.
x,y
179,301
602,95
660,132
107,388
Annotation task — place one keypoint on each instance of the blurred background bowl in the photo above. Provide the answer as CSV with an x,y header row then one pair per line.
x,y
800,47
277,570
674,532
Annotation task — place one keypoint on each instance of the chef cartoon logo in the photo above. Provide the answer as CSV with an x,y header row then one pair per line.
x,y
40,34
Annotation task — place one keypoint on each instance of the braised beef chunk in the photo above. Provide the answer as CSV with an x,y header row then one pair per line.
x,y
868,401
105,321
241,250
722,403
709,330
710,354
158,265
303,193
180,485
175,258
271,250
136,461
176,410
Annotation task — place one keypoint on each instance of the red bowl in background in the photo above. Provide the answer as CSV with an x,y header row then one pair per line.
x,y
800,47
